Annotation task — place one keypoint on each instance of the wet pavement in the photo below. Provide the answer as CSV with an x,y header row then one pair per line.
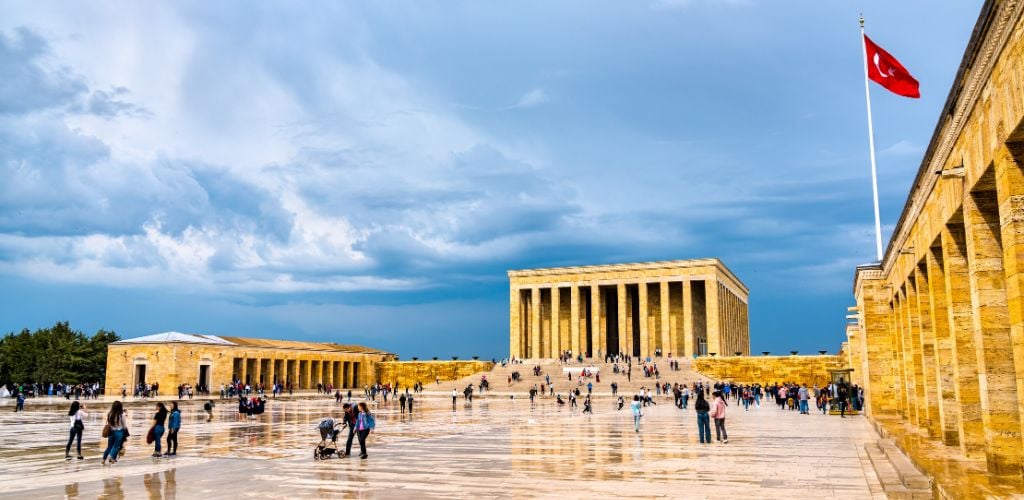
x,y
495,447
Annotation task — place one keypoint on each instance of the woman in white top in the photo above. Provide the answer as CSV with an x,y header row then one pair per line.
x,y
75,415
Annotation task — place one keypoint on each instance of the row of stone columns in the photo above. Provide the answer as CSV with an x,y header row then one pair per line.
x,y
943,346
305,373
546,320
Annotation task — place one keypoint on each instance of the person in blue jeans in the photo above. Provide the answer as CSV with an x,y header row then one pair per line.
x,y
158,427
118,422
703,419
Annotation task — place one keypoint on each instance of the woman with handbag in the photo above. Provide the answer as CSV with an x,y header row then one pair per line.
x,y
115,431
76,414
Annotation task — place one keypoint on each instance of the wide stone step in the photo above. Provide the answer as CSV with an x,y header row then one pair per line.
x,y
897,481
911,477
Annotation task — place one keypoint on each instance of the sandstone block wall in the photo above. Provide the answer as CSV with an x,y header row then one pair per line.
x,y
768,369
407,373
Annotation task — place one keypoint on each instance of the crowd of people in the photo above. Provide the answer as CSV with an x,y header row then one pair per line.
x,y
709,401
90,390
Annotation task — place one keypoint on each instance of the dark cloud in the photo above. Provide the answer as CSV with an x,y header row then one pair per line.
x,y
29,82
33,81
110,104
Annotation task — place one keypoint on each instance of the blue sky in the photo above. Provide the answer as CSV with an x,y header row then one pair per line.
x,y
366,172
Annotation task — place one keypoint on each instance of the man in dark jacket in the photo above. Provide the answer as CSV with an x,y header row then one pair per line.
x,y
351,413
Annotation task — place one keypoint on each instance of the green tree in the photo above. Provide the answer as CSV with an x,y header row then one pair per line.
x,y
55,354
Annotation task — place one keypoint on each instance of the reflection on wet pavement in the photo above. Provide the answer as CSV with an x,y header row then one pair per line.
x,y
494,447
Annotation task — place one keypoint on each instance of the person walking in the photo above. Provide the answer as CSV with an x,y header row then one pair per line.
x,y
365,424
350,416
842,401
803,394
75,414
173,424
159,419
635,406
703,419
718,413
401,401
116,430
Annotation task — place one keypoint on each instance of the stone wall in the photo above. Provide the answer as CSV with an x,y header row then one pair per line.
x,y
768,369
407,373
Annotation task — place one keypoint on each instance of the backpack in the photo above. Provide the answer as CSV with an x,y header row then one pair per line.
x,y
369,421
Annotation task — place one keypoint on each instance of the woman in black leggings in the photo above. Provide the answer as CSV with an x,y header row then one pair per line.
x,y
75,415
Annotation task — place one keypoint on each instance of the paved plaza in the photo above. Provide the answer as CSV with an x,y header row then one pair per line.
x,y
495,447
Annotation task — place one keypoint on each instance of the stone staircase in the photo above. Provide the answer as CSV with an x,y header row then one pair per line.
x,y
499,378
898,475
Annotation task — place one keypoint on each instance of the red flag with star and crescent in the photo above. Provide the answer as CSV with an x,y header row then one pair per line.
x,y
886,71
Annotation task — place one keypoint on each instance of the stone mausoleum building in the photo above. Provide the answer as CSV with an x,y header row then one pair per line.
x,y
938,341
173,358
679,307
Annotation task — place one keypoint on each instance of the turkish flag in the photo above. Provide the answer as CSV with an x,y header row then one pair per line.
x,y
886,71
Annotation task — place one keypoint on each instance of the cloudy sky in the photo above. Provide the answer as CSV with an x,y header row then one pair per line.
x,y
366,172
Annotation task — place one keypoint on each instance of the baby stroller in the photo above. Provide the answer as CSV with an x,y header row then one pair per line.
x,y
329,431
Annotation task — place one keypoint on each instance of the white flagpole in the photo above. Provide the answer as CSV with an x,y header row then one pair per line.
x,y
871,143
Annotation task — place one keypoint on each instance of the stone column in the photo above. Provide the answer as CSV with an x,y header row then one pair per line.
x,y
879,378
574,321
689,346
997,373
535,337
329,372
555,346
1008,163
308,379
514,326
914,342
714,331
949,407
597,330
900,356
271,371
245,370
625,339
927,341
668,344
645,341
258,376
